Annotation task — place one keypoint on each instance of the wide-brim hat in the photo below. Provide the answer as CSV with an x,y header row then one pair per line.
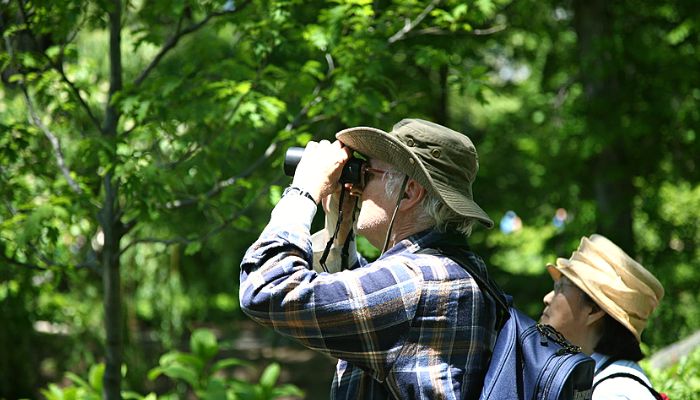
x,y
442,160
617,283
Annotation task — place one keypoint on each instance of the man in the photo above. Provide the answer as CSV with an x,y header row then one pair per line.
x,y
409,325
601,301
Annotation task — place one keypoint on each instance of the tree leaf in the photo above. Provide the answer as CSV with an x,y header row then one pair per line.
x,y
270,375
95,377
203,344
229,362
178,371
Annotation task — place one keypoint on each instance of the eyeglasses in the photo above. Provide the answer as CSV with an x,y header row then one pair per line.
x,y
369,171
559,285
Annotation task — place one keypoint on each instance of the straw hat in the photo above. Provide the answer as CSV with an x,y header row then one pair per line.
x,y
444,161
622,287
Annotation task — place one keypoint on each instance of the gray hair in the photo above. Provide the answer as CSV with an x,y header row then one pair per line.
x,y
433,210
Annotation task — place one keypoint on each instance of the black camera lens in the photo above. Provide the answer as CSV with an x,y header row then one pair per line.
x,y
291,160
352,170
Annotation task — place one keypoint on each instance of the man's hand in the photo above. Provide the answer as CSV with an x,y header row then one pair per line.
x,y
320,167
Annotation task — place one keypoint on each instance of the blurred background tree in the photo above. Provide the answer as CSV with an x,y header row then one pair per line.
x,y
141,143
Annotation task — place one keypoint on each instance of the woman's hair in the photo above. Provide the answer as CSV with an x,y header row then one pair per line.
x,y
433,209
616,341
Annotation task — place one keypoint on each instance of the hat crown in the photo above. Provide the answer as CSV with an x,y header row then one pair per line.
x,y
611,258
444,152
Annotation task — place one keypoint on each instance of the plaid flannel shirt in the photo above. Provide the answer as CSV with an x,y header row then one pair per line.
x,y
406,326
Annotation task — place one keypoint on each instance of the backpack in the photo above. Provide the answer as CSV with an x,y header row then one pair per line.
x,y
529,360
610,361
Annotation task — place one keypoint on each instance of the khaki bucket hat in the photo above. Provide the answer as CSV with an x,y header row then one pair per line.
x,y
442,160
621,286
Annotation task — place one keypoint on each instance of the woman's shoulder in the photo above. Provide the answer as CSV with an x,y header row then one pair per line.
x,y
622,366
615,382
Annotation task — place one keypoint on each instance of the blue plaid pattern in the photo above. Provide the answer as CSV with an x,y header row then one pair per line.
x,y
406,326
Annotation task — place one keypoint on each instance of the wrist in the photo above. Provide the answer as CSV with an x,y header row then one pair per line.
x,y
295,190
310,186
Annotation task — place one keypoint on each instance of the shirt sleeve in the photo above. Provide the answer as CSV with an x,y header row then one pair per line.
x,y
357,315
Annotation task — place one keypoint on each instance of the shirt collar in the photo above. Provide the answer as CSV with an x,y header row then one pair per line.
x,y
599,359
421,240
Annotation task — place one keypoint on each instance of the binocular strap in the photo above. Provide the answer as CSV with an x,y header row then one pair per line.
x,y
346,246
393,216
345,253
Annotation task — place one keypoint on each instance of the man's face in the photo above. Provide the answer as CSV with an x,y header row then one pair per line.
x,y
567,311
376,210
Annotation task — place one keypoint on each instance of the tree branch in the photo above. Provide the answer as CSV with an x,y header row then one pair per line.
x,y
433,30
76,93
315,98
409,25
210,233
50,264
292,124
672,353
231,112
179,34
490,30
219,186
563,92
55,144
59,68
12,261
90,264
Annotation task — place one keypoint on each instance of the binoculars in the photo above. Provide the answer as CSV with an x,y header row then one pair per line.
x,y
352,170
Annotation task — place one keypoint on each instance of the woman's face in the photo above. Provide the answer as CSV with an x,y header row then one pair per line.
x,y
567,311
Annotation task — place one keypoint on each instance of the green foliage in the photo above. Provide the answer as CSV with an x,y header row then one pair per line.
x,y
679,381
523,252
550,137
214,91
202,374
80,389
198,370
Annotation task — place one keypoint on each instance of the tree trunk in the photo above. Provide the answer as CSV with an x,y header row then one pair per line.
x,y
18,342
111,282
110,220
614,194
612,187
440,112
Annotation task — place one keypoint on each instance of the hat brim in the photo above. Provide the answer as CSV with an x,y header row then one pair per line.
x,y
553,272
378,144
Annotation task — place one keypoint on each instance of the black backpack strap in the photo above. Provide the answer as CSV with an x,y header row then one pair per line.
x,y
459,256
630,376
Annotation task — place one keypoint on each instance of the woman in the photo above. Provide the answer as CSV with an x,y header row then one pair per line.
x,y
601,301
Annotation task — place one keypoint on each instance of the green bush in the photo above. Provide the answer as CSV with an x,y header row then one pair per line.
x,y
679,381
90,389
195,372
